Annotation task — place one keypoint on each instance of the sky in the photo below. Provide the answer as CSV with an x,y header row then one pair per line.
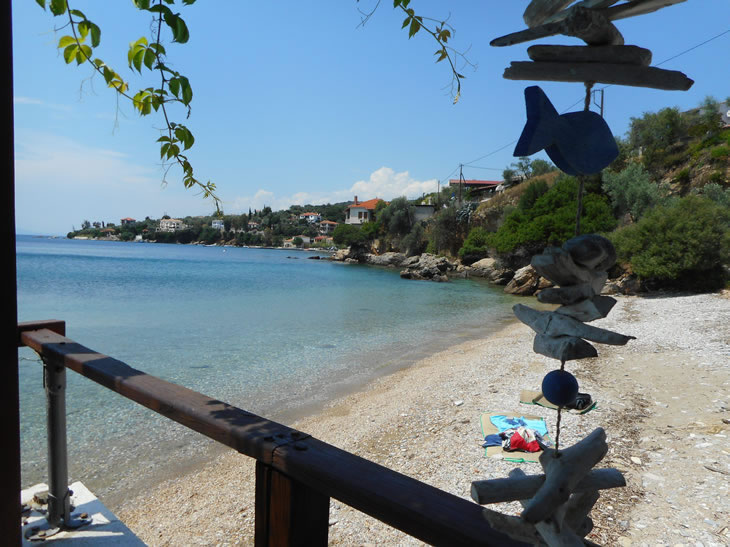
x,y
297,103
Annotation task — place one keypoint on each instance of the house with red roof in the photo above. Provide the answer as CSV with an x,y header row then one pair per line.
x,y
477,188
360,212
127,221
327,227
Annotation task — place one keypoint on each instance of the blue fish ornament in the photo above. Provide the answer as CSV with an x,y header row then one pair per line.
x,y
578,143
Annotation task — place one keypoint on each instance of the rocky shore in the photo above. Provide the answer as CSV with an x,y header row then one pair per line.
x,y
524,281
662,399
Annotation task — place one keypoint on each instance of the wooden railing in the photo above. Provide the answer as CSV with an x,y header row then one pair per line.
x,y
296,474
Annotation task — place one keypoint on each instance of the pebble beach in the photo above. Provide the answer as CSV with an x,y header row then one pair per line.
x,y
663,400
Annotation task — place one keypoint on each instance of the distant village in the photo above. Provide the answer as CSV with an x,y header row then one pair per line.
x,y
310,226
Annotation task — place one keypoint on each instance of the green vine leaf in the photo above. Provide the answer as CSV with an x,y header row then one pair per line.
x,y
58,7
141,52
66,41
69,53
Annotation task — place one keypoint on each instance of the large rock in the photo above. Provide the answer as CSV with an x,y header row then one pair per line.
x,y
386,259
625,284
524,283
429,267
492,270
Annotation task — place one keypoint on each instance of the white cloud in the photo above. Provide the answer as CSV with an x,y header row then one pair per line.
x,y
384,183
37,102
387,184
60,182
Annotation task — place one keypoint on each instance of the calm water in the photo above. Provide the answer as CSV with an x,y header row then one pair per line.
x,y
266,330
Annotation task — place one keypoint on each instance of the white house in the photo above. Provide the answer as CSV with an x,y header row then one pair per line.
x,y
218,224
327,227
171,225
360,212
311,217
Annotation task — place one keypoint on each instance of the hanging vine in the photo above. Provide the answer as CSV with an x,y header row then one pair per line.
x,y
80,46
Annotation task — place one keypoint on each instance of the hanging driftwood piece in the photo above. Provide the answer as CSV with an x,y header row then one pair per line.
x,y
579,143
591,251
556,504
607,73
566,295
638,7
556,324
563,348
539,10
558,266
576,22
625,55
523,487
514,527
591,26
563,473
594,4
586,311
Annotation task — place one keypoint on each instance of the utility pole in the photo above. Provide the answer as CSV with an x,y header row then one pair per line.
x,y
599,105
461,181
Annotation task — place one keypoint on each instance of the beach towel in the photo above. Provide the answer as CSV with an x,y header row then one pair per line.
x,y
529,397
488,428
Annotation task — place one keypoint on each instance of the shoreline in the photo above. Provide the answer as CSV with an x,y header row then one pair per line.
x,y
423,421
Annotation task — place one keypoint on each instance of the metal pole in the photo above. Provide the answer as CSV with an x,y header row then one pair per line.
x,y
59,499
9,391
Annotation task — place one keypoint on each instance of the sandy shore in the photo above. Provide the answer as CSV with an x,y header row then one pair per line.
x,y
664,401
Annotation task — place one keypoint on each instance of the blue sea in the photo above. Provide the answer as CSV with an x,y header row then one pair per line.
x,y
267,330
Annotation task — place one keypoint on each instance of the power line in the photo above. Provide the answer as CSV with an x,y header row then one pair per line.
x,y
468,164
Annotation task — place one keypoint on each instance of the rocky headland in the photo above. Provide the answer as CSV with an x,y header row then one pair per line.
x,y
516,277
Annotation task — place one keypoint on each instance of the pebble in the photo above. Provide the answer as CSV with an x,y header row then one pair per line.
x,y
398,410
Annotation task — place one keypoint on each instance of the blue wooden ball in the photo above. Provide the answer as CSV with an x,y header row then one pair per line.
x,y
560,387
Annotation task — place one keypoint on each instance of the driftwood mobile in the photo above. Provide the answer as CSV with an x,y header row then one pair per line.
x,y
297,474
557,504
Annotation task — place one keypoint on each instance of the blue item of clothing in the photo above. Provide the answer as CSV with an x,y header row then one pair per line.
x,y
492,440
503,423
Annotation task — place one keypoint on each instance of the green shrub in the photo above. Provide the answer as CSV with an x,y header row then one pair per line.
x,y
447,233
348,235
415,242
551,220
631,191
533,191
718,177
475,246
683,176
684,244
720,152
672,160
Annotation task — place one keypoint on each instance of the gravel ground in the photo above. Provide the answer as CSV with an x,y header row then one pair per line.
x,y
663,399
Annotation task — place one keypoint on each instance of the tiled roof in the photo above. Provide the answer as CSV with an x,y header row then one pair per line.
x,y
327,222
369,204
474,182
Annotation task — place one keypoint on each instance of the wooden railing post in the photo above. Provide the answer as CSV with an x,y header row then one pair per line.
x,y
288,513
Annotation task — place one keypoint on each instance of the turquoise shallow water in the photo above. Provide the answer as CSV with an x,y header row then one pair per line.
x,y
266,330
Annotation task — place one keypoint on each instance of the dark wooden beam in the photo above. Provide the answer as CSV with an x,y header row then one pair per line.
x,y
55,325
9,397
425,512
288,512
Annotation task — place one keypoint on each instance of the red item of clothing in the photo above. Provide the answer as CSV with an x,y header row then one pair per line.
x,y
517,442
